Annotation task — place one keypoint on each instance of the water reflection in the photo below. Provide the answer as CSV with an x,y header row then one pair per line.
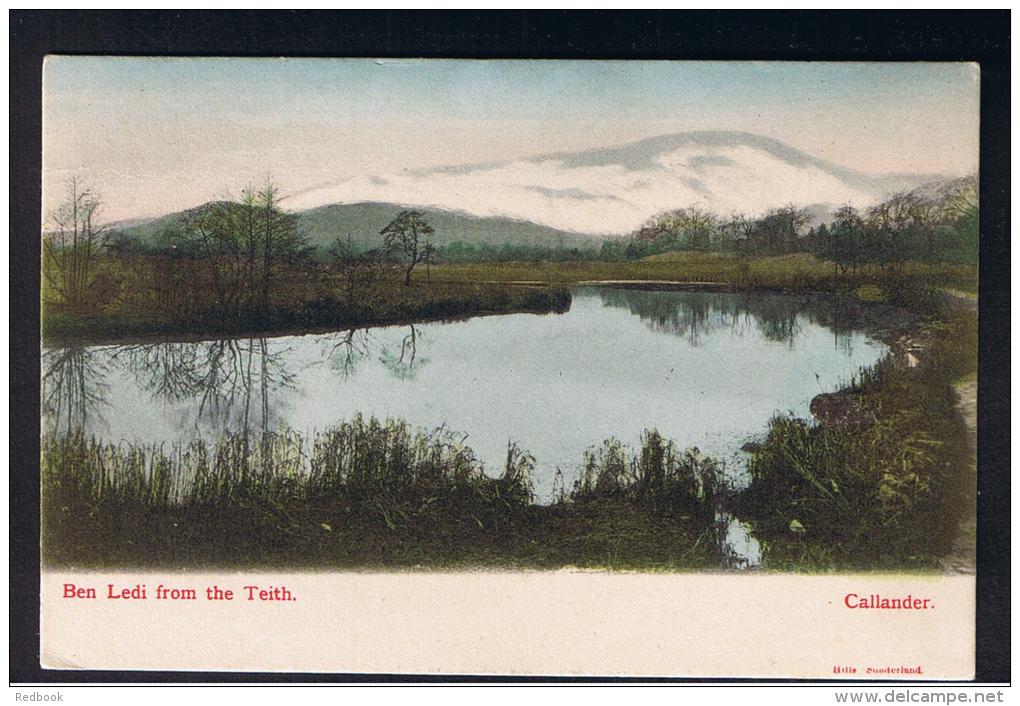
x,y
707,370
618,362
74,387
406,364
232,385
345,349
225,385
739,545
695,316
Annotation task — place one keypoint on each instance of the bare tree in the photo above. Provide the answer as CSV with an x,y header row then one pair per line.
x,y
71,250
740,228
408,235
927,214
208,234
844,236
778,230
692,228
243,244
277,227
428,257
357,270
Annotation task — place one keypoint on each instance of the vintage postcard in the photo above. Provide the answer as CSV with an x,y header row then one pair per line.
x,y
644,368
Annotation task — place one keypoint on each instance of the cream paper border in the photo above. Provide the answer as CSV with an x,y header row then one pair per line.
x,y
518,623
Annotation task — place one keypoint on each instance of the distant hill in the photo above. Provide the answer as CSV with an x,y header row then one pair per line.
x,y
363,221
613,190
943,189
150,231
576,199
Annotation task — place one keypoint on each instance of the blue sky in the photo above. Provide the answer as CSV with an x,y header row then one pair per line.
x,y
158,134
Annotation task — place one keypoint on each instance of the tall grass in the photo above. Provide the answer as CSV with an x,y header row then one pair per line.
x,y
367,492
385,471
658,475
892,492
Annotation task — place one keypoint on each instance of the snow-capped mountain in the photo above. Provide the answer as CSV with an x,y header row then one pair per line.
x,y
613,190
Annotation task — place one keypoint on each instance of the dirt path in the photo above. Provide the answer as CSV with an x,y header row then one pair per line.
x,y
962,559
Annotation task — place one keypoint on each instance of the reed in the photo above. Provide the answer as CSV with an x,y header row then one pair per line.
x,y
891,493
367,492
657,475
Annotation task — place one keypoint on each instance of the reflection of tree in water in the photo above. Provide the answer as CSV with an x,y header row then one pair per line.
x,y
74,388
229,385
343,350
845,315
170,372
694,315
232,381
775,316
406,364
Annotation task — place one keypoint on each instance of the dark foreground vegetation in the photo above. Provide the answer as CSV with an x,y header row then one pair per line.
x,y
886,481
368,494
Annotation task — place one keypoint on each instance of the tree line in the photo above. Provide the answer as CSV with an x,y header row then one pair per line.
x,y
239,249
241,246
914,226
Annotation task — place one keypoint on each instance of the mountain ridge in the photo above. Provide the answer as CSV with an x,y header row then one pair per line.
x,y
364,220
576,198
612,190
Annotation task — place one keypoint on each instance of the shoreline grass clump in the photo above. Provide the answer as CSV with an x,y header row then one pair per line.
x,y
241,495
887,492
366,493
659,476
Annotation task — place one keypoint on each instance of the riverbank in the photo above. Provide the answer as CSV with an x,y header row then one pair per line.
x,y
153,298
387,303
373,495
792,273
962,557
886,478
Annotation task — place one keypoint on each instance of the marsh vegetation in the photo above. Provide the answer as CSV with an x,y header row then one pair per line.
x,y
364,493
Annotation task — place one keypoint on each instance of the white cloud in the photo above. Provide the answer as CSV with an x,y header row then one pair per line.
x,y
606,198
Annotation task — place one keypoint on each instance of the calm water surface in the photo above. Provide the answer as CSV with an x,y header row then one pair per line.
x,y
705,369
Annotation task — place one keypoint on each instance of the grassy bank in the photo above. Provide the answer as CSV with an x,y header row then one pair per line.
x,y
887,483
168,303
798,272
368,494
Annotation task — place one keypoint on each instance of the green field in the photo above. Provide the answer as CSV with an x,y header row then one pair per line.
x,y
794,272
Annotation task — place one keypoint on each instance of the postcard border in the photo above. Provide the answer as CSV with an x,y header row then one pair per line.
x,y
981,36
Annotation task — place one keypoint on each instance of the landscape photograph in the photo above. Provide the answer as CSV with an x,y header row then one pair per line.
x,y
422,314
